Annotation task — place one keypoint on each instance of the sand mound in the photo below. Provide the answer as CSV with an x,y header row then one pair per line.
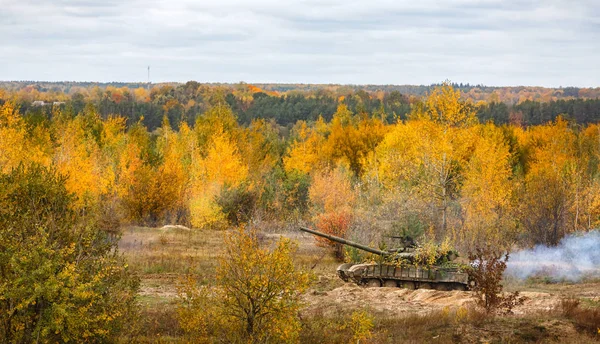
x,y
391,301
398,302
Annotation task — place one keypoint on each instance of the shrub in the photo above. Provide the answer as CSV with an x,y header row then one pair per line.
x,y
586,319
237,203
361,325
486,272
61,279
194,310
257,298
342,327
334,223
294,194
260,289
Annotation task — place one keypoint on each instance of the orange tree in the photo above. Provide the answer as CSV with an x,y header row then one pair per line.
x,y
334,223
332,198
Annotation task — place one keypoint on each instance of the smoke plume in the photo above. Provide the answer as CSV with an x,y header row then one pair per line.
x,y
575,257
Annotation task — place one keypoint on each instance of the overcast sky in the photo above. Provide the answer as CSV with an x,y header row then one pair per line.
x,y
493,42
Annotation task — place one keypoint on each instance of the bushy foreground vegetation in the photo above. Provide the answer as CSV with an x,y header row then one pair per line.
x,y
61,278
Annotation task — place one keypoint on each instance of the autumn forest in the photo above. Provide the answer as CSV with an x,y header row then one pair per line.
x,y
457,164
210,157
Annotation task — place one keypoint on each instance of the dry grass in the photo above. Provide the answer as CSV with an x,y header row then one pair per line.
x,y
467,326
586,318
161,257
152,251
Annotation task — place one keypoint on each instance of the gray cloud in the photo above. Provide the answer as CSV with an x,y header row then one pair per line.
x,y
517,42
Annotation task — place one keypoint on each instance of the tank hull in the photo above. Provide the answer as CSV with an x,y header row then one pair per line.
x,y
411,277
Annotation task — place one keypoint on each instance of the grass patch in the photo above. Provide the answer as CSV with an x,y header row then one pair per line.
x,y
585,318
152,251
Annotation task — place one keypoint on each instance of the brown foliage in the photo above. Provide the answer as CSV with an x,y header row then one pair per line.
x,y
584,318
486,272
334,223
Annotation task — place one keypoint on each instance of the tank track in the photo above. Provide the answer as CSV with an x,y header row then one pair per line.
x,y
409,277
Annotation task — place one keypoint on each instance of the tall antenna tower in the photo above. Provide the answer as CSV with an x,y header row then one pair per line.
x,y
148,77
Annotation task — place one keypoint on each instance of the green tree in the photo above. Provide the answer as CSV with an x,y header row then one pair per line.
x,y
61,279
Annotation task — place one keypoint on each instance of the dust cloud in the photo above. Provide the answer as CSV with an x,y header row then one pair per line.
x,y
577,256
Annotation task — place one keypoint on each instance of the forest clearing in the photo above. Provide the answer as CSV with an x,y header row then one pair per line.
x,y
399,315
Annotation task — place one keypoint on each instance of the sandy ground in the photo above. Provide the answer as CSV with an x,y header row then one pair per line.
x,y
382,301
399,302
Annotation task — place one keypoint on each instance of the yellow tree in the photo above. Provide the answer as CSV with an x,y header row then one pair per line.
x,y
260,147
175,162
12,137
351,138
487,191
332,197
588,203
223,163
130,168
428,152
146,190
141,95
443,152
113,140
305,153
78,156
426,158
447,142
222,166
260,289
331,191
217,120
397,158
444,106
550,182
17,145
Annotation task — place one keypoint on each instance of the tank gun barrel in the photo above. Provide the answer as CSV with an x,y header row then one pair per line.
x,y
345,242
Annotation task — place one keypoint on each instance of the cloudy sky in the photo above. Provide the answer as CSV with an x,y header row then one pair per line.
x,y
493,42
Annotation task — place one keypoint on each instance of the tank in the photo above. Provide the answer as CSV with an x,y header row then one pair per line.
x,y
397,269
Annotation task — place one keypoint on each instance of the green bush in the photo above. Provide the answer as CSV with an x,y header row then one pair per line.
x,y
237,203
61,278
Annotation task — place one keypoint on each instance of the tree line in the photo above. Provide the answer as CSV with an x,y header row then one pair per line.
x,y
441,170
286,106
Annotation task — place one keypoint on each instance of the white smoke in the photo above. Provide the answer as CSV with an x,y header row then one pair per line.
x,y
575,257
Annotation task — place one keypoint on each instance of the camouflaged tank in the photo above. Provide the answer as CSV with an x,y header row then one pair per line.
x,y
397,269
